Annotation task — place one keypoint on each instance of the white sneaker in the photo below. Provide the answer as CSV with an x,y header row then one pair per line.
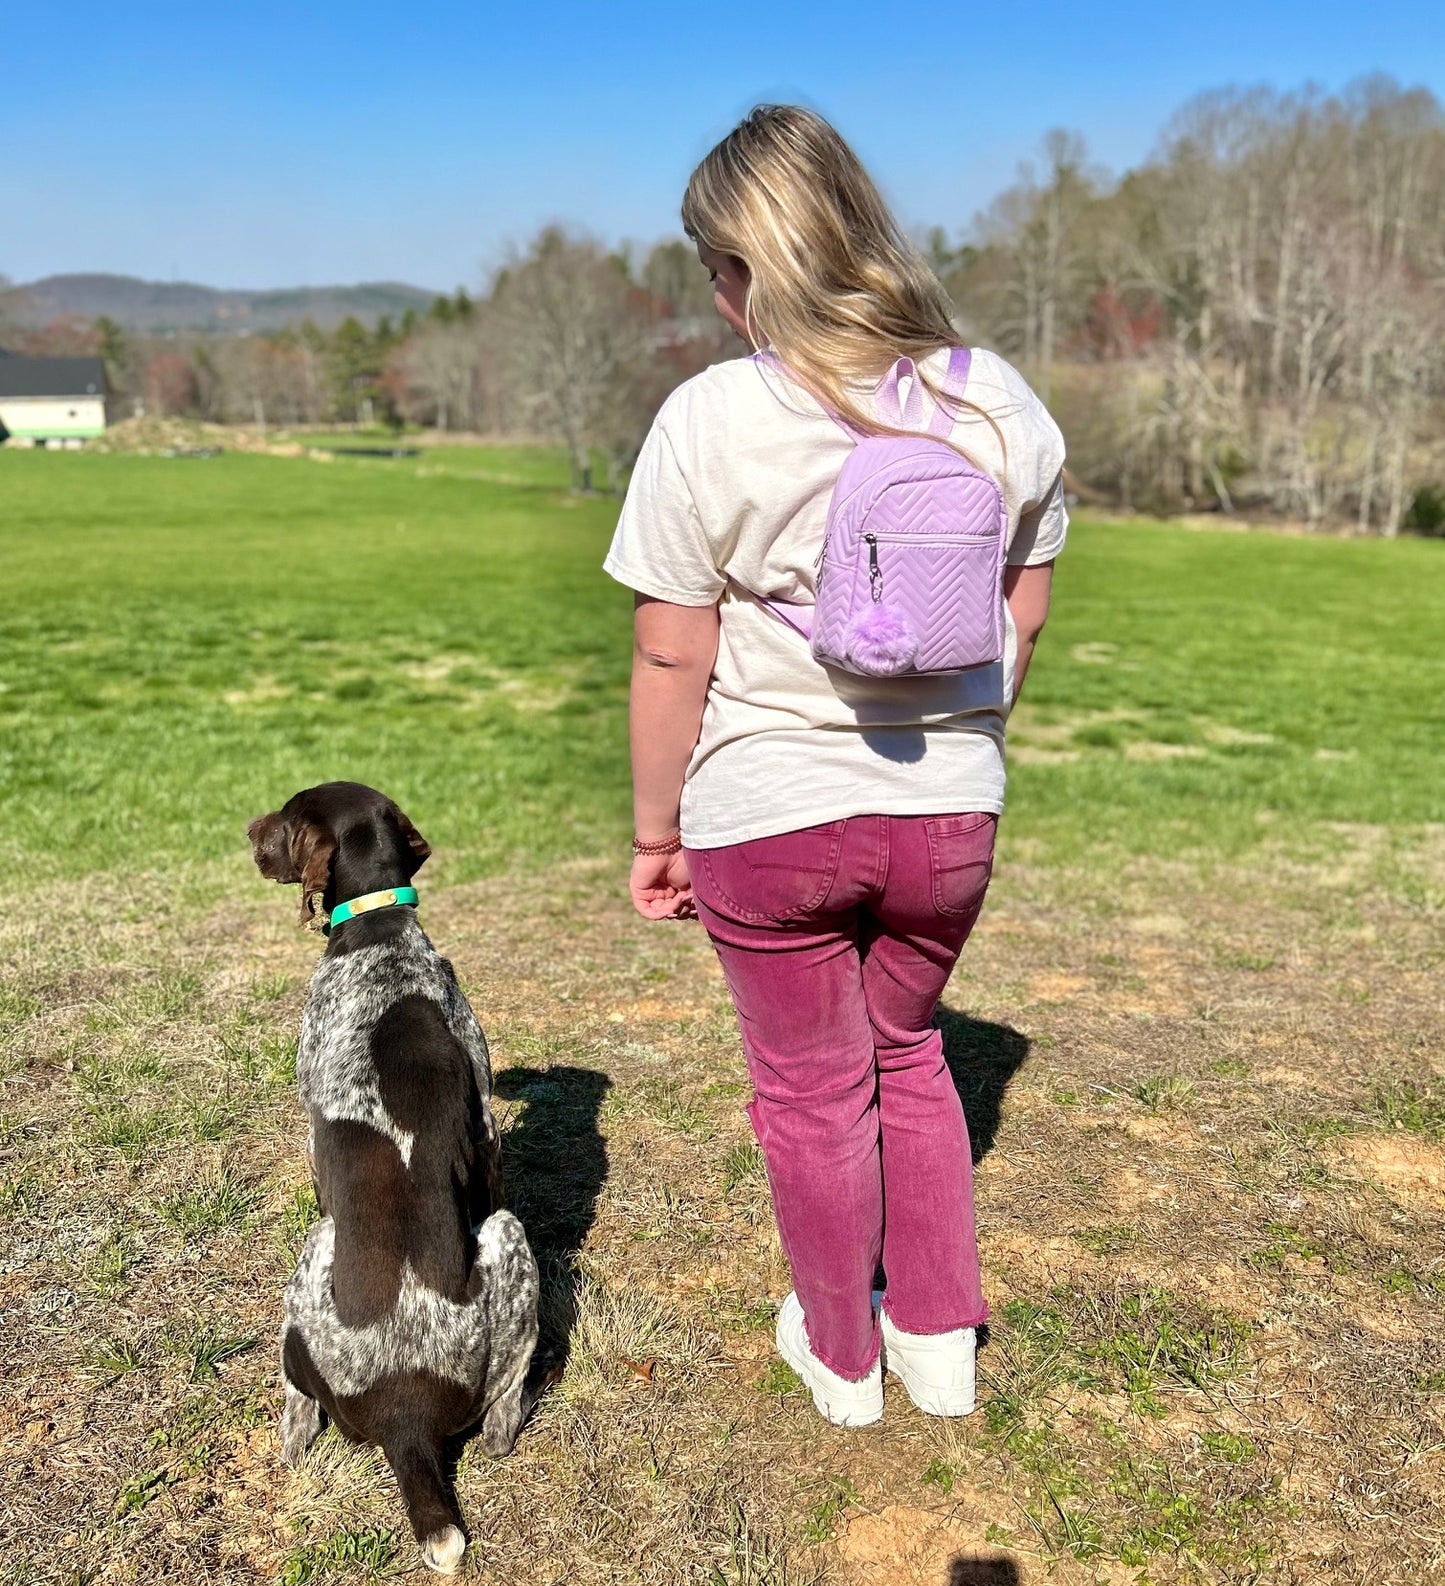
x,y
937,1369
837,1400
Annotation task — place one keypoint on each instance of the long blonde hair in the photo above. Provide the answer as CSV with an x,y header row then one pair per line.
x,y
834,287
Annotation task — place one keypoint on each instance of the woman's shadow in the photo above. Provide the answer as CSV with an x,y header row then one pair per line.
x,y
983,1058
555,1164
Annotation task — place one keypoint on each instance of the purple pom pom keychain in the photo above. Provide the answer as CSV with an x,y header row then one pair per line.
x,y
880,641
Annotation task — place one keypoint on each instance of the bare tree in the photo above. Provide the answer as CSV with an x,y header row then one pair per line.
x,y
572,338
1273,279
1036,232
439,366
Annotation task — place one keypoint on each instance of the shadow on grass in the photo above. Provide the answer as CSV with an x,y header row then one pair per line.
x,y
983,1572
983,1058
555,1162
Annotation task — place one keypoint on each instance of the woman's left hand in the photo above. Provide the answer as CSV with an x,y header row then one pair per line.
x,y
661,887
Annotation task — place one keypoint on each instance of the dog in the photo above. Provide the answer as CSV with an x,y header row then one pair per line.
x,y
412,1313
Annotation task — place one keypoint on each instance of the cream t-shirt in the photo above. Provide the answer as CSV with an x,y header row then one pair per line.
x,y
728,501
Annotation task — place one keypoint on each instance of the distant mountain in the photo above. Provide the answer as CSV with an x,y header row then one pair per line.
x,y
159,306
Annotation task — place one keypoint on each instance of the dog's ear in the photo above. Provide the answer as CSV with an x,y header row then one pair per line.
x,y
420,848
311,848
292,851
269,848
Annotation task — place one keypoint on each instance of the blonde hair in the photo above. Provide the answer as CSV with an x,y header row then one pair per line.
x,y
834,287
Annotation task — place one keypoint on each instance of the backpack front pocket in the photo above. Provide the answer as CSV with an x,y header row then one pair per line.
x,y
946,588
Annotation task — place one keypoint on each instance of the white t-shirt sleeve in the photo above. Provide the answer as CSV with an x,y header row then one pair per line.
x,y
660,547
1028,452
1043,527
1043,518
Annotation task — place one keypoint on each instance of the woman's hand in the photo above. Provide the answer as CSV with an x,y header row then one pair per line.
x,y
661,887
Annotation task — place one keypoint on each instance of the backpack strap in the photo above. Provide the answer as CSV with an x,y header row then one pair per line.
x,y
954,380
908,414
890,407
798,618
904,414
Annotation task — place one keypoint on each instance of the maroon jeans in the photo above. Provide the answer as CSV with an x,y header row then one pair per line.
x,y
837,942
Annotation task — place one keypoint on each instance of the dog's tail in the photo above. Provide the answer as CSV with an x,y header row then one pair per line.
x,y
416,1459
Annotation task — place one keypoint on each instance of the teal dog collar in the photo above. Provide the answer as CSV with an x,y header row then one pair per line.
x,y
386,899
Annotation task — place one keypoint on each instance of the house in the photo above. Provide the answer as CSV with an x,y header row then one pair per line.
x,y
51,400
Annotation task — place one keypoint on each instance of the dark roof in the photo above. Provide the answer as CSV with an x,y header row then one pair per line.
x,y
52,377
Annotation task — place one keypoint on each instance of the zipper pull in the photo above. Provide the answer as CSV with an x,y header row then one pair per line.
x,y
875,573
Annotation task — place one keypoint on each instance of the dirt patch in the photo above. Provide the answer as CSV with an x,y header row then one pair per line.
x,y
1146,749
1056,988
1410,1169
903,1546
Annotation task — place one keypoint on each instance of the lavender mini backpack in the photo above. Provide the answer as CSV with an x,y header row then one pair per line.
x,y
910,579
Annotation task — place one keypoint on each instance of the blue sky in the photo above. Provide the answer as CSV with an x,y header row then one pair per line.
x,y
269,145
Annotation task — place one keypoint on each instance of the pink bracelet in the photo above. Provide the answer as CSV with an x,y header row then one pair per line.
x,y
663,845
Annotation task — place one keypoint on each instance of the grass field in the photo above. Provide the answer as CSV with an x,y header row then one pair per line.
x,y
1199,1033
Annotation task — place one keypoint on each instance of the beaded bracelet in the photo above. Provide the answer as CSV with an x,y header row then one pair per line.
x,y
662,846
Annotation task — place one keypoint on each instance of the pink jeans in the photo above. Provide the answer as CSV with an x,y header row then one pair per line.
x,y
837,942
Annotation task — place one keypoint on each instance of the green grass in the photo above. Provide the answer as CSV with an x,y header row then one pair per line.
x,y
1244,1071
368,1552
1300,676
206,1348
1163,1092
1405,1105
779,1378
223,1201
184,644
129,1130
744,1165
823,1520
504,465
117,1356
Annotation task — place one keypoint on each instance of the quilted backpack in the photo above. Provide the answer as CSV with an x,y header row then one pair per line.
x,y
910,579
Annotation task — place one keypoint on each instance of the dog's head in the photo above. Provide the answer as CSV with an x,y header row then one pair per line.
x,y
300,841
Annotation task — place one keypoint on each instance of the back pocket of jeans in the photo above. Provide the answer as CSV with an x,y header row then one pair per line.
x,y
960,854
774,878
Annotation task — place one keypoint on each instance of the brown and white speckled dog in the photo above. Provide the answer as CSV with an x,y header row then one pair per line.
x,y
412,1314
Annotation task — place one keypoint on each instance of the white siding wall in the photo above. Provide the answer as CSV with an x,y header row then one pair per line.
x,y
52,417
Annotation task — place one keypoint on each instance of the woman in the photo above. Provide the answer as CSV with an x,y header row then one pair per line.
x,y
834,833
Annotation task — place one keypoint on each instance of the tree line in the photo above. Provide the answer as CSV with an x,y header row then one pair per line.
x,y
1249,321
1253,318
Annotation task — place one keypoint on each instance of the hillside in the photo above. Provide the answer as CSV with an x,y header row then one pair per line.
x,y
157,306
